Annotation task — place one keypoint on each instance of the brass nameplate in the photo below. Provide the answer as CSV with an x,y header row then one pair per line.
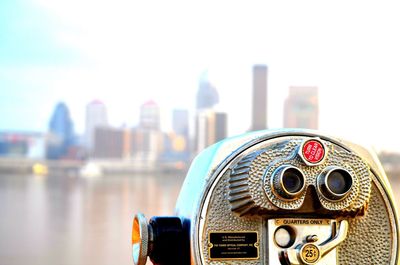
x,y
295,221
233,245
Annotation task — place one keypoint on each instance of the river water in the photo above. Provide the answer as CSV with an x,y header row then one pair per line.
x,y
74,220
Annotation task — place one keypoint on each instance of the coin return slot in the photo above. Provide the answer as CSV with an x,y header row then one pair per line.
x,y
284,236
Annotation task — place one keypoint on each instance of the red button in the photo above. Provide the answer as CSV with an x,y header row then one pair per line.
x,y
313,151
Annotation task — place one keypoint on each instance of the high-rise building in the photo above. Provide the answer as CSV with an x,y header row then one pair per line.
x,y
112,143
259,108
61,132
147,139
301,108
207,95
211,127
150,116
109,142
146,144
178,141
96,116
180,121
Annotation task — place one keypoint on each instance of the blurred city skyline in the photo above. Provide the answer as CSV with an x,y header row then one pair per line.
x,y
125,53
58,56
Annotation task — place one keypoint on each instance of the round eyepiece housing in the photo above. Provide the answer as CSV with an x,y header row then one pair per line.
x,y
335,183
287,182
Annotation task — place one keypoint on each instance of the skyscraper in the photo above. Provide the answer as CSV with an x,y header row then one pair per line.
x,y
146,144
301,108
259,108
61,132
150,116
147,138
180,126
96,116
207,95
109,142
180,121
211,127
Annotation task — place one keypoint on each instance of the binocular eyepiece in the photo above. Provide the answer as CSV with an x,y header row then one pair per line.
x,y
289,197
335,183
288,182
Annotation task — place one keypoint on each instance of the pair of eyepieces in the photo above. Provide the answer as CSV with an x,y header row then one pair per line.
x,y
333,183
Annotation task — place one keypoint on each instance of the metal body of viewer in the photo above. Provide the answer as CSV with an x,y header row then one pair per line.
x,y
277,197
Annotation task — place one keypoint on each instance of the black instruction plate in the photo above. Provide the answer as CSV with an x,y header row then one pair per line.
x,y
233,245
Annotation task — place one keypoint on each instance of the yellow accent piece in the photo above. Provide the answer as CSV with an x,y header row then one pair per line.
x,y
40,169
179,143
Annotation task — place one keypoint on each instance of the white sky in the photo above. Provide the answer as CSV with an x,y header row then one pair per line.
x,y
133,51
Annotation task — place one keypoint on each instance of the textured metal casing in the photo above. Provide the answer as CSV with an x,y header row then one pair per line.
x,y
212,167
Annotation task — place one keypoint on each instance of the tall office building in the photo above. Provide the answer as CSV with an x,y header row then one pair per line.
x,y
180,121
61,132
211,127
96,117
301,108
147,139
150,116
146,144
207,95
112,142
259,108
179,140
109,142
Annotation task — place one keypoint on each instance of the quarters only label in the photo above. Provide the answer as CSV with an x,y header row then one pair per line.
x,y
291,221
233,245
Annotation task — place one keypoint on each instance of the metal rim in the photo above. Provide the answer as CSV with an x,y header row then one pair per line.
x,y
277,183
140,239
323,187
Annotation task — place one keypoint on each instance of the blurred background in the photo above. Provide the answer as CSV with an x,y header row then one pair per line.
x,y
104,104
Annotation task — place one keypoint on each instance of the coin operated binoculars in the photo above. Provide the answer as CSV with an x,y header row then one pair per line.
x,y
289,197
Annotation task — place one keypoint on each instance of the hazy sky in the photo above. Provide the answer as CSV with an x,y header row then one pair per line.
x,y
126,52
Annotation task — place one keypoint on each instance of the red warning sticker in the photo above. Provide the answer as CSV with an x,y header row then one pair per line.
x,y
313,151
